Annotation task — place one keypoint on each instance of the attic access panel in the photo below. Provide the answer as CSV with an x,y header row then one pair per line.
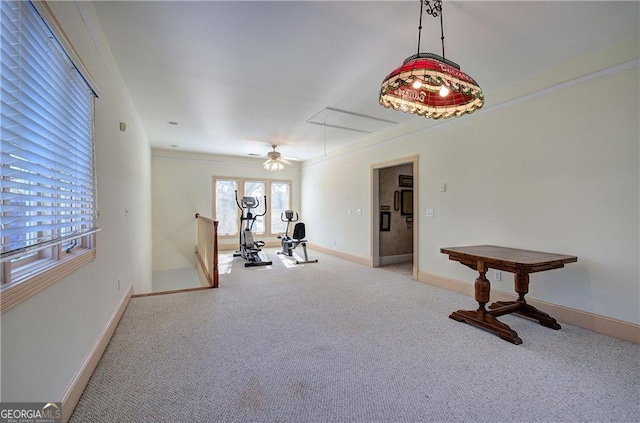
x,y
349,121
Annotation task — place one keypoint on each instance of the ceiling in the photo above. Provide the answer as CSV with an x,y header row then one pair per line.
x,y
239,76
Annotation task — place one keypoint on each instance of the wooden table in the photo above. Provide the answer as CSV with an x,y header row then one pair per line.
x,y
519,262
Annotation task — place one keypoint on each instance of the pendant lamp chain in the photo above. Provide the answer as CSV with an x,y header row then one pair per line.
x,y
419,28
434,10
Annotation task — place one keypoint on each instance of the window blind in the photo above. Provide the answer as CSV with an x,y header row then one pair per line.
x,y
47,177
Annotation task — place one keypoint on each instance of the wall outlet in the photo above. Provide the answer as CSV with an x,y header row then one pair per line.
x,y
497,275
118,285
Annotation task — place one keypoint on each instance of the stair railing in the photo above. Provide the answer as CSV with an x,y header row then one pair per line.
x,y
207,249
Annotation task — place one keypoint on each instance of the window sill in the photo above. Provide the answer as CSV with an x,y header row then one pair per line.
x,y
30,283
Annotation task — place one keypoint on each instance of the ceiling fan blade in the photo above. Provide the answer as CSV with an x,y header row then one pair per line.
x,y
285,161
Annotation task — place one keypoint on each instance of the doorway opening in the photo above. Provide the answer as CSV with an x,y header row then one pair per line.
x,y
394,226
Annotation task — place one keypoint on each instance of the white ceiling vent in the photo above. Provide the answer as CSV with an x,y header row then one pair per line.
x,y
349,121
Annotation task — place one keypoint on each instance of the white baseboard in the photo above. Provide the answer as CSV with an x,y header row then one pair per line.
x,y
74,391
356,259
594,322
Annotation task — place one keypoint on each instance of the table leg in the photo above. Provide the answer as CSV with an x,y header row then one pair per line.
x,y
524,309
481,317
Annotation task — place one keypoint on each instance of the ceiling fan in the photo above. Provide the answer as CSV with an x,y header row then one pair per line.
x,y
276,161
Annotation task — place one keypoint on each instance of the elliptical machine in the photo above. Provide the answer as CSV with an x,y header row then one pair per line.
x,y
290,243
249,248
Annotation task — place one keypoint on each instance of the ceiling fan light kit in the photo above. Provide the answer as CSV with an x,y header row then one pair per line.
x,y
275,161
429,85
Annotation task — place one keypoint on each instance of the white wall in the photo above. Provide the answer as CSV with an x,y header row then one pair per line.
x,y
554,171
183,186
46,339
333,187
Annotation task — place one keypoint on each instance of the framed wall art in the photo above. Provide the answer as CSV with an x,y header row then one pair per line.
x,y
406,202
405,181
385,221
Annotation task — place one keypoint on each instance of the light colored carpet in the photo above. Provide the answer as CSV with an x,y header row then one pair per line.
x,y
335,341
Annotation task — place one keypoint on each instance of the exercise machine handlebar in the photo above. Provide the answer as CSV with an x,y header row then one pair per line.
x,y
254,206
289,216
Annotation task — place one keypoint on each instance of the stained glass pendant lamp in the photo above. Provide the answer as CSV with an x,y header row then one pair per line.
x,y
430,85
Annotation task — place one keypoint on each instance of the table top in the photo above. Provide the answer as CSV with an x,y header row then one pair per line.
x,y
508,257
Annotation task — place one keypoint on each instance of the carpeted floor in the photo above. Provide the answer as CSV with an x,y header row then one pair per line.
x,y
335,341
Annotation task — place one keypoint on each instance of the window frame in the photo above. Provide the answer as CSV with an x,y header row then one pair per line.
x,y
27,271
240,181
